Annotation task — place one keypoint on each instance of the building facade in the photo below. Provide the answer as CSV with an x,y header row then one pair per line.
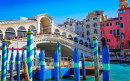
x,y
92,25
116,30
74,26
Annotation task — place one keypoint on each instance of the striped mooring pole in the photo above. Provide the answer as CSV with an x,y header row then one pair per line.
x,y
42,64
83,66
11,64
59,52
35,55
96,67
7,60
106,63
22,58
30,52
56,65
76,65
18,65
4,60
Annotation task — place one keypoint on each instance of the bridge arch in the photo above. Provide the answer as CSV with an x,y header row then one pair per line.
x,y
64,34
10,33
1,35
81,42
33,28
57,32
45,25
76,39
21,31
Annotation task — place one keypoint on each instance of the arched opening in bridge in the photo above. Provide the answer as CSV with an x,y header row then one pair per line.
x,y
21,31
81,42
63,34
33,28
51,47
76,39
10,33
57,32
86,44
70,37
1,35
45,25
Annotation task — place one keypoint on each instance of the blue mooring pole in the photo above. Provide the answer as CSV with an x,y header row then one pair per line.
x,y
76,65
11,64
7,60
83,66
42,64
106,63
56,65
18,65
22,58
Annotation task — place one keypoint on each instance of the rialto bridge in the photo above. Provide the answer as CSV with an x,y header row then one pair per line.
x,y
45,31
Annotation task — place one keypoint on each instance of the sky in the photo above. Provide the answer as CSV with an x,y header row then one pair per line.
x,y
59,9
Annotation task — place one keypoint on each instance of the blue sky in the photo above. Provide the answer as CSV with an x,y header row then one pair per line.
x,y
59,9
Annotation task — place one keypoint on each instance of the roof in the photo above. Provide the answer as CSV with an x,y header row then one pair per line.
x,y
16,21
111,19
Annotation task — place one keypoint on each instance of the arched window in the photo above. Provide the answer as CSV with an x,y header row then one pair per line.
x,y
57,32
88,33
76,39
87,26
95,25
122,35
10,33
63,34
95,31
121,25
88,39
1,35
81,42
33,29
21,31
69,36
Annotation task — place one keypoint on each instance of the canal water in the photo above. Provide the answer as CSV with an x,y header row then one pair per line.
x,y
118,72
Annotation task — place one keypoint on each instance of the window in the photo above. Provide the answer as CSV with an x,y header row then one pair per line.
x,y
108,40
121,18
122,35
128,44
102,25
118,32
70,24
121,25
77,24
88,39
65,25
118,40
122,11
88,33
114,32
110,24
107,24
87,26
95,18
82,35
129,10
122,45
95,31
117,23
110,31
87,20
118,46
77,33
95,25
102,32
